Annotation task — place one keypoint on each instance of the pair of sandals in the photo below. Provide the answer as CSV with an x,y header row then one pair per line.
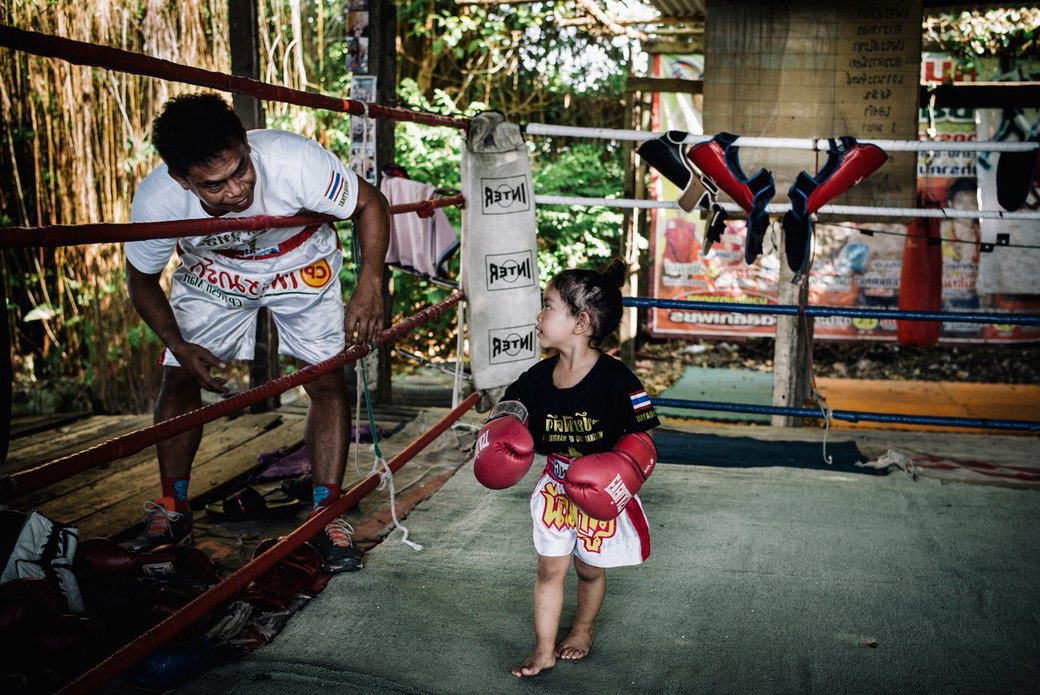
x,y
250,503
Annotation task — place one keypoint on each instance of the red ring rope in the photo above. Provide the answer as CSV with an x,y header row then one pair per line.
x,y
145,644
74,234
119,447
109,58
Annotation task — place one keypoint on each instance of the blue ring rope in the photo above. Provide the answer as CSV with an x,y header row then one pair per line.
x,y
850,415
792,310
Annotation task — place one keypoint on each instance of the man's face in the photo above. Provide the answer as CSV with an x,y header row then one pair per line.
x,y
225,184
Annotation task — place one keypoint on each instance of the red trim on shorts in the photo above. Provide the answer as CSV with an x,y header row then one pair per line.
x,y
285,247
639,522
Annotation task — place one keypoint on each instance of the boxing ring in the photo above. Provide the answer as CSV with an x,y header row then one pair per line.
x,y
57,235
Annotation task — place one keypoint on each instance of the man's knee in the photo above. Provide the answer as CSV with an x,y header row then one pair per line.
x,y
329,386
178,382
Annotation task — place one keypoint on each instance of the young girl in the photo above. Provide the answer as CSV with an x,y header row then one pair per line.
x,y
579,401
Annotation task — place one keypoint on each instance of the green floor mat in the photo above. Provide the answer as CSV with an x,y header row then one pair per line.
x,y
720,386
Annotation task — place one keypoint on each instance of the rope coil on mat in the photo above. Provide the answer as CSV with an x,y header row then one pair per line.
x,y
825,410
379,464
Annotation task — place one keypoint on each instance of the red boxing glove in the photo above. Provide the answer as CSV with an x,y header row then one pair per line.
x,y
603,484
504,450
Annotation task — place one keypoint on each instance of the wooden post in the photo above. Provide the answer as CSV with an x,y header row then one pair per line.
x,y
382,62
6,372
629,327
791,377
245,62
637,116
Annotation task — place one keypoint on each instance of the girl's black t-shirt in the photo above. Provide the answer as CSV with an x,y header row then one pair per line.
x,y
588,418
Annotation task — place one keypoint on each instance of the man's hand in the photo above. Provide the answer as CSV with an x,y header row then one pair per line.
x,y
364,313
199,361
364,316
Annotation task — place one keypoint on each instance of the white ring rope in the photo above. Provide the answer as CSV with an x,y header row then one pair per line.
x,y
776,208
818,144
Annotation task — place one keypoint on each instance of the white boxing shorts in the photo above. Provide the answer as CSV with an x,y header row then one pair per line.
x,y
560,528
216,296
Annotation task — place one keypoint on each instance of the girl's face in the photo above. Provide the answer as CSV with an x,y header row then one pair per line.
x,y
554,323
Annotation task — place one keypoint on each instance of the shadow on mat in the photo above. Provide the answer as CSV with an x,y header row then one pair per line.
x,y
693,449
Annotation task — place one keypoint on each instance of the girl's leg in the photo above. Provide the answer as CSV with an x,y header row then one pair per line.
x,y
548,604
592,587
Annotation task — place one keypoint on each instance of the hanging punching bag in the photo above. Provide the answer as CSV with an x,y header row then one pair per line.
x,y
920,282
499,252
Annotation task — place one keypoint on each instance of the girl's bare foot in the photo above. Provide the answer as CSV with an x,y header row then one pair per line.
x,y
534,664
575,645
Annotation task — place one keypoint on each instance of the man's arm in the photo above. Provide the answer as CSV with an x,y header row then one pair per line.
x,y
364,313
149,299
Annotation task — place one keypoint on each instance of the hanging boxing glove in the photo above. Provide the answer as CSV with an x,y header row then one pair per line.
x,y
667,154
719,161
848,163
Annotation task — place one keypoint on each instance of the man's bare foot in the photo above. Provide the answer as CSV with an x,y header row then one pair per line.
x,y
535,664
575,645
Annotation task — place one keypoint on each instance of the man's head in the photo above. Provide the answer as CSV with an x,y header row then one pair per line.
x,y
203,143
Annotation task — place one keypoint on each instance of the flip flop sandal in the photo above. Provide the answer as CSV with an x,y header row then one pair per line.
x,y
301,488
248,503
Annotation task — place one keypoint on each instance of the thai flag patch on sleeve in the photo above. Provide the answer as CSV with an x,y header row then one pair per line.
x,y
335,186
640,401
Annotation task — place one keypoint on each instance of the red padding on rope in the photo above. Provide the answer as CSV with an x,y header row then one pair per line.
x,y
127,444
145,644
50,236
135,63
117,232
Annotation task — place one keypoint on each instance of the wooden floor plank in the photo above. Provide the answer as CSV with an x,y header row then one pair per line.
x,y
108,500
112,505
216,431
33,451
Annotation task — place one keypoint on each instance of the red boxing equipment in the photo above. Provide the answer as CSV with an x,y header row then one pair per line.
x,y
504,450
920,282
719,162
603,484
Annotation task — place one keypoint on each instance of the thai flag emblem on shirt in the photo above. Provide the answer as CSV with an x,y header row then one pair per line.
x,y
335,186
640,401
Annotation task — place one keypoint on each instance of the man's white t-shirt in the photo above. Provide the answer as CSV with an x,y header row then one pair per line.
x,y
223,279
294,175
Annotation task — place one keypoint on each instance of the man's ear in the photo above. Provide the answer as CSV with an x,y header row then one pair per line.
x,y
180,179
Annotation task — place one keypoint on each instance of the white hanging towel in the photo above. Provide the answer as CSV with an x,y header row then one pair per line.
x,y
499,252
416,242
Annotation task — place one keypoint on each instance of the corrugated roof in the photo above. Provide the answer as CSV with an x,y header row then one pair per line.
x,y
680,8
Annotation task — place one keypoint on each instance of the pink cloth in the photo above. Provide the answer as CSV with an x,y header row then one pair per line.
x,y
414,241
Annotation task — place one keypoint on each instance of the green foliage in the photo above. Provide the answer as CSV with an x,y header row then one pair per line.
x,y
578,236
1006,34
517,58
431,154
